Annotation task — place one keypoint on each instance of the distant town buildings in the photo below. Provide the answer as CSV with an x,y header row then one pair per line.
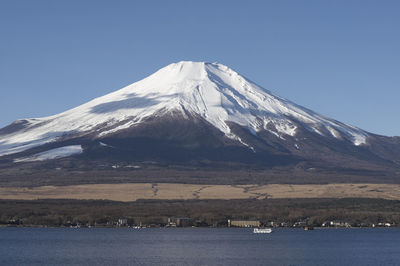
x,y
243,223
179,222
336,223
122,222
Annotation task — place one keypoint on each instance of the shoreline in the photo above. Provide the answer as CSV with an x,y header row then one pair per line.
x,y
277,213
194,227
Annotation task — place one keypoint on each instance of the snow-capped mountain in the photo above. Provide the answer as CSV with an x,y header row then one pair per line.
x,y
194,111
211,91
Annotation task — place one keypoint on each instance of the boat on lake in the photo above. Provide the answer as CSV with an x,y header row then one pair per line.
x,y
262,230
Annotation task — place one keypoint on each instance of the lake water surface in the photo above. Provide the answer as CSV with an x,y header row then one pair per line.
x,y
198,246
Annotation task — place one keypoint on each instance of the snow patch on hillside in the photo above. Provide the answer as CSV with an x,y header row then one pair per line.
x,y
53,154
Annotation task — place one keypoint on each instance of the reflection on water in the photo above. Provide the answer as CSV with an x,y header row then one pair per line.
x,y
197,246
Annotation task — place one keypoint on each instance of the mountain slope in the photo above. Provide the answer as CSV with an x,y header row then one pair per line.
x,y
212,91
196,114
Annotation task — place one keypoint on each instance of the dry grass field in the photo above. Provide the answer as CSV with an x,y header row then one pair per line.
x,y
133,191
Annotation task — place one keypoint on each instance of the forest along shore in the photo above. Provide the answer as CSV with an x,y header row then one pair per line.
x,y
346,212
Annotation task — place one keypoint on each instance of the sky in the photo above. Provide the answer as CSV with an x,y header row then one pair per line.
x,y
338,58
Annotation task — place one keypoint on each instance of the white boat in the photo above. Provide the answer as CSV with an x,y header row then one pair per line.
x,y
262,231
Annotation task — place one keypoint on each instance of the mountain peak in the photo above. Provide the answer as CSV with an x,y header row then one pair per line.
x,y
176,72
186,71
211,91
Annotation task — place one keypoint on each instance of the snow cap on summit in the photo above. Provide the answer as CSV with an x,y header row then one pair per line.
x,y
211,91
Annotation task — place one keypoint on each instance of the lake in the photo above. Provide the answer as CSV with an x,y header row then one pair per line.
x,y
198,246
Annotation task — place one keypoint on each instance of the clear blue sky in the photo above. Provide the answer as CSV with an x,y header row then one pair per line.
x,y
338,58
